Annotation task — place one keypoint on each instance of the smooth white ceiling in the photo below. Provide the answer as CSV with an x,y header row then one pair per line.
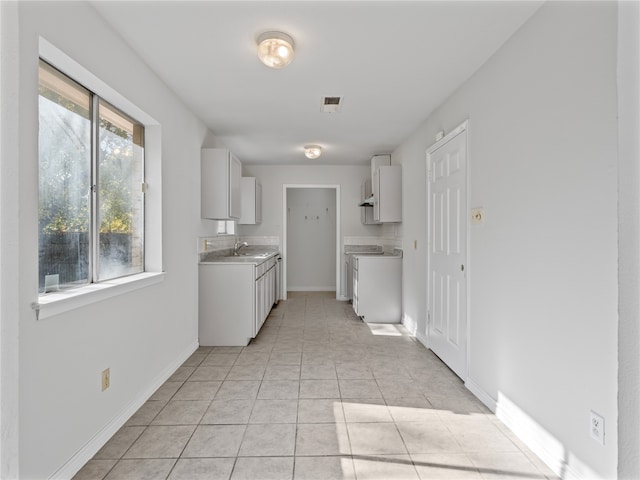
x,y
393,62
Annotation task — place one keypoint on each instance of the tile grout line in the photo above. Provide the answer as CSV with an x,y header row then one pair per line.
x,y
281,339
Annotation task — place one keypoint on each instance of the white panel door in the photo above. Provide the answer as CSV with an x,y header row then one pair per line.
x,y
447,221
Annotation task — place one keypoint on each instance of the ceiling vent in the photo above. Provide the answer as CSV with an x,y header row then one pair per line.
x,y
331,104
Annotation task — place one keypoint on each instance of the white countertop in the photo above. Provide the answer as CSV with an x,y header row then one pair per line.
x,y
253,254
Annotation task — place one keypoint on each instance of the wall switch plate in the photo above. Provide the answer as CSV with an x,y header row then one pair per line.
x,y
106,379
596,424
477,216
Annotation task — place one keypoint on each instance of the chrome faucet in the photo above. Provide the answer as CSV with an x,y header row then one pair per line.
x,y
238,245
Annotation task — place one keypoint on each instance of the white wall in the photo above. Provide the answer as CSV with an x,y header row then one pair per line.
x,y
629,243
9,241
543,267
273,177
141,335
311,239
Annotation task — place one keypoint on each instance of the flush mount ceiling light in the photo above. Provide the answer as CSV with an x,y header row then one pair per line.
x,y
275,49
312,151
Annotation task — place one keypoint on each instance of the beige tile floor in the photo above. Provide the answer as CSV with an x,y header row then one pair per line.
x,y
317,395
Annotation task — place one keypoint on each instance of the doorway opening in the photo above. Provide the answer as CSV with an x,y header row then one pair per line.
x,y
311,238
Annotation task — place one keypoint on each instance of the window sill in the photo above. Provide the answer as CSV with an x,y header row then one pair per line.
x,y
52,304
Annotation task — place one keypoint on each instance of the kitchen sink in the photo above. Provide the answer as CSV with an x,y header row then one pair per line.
x,y
240,257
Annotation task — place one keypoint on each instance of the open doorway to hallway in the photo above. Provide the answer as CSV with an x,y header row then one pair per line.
x,y
311,238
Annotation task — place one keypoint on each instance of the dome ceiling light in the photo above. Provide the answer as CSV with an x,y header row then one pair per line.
x,y
275,49
312,151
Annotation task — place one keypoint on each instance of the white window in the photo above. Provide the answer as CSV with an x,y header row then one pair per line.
x,y
226,227
91,186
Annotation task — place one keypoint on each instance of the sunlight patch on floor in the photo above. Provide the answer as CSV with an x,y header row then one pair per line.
x,y
388,329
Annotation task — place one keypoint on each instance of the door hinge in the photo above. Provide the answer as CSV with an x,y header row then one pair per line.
x,y
144,187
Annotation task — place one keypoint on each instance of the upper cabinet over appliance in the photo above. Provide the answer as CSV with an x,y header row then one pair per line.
x,y
251,201
386,194
221,174
378,161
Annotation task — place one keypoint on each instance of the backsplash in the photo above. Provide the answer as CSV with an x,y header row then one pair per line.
x,y
387,243
261,240
206,244
219,242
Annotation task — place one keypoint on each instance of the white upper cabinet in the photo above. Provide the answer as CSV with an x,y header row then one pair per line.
x,y
221,175
251,201
387,204
378,161
386,185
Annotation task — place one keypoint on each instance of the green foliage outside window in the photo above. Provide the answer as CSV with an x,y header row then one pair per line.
x,y
65,180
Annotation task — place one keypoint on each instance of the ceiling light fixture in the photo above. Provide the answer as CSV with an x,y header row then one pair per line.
x,y
275,49
312,151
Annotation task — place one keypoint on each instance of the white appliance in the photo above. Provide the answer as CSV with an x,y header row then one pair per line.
x,y
377,288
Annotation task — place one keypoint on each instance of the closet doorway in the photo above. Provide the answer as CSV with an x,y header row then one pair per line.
x,y
311,238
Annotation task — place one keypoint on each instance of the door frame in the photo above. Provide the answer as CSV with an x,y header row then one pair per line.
x,y
463,127
285,187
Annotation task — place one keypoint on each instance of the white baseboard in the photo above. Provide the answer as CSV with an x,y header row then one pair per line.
x,y
542,443
410,325
485,398
86,453
422,338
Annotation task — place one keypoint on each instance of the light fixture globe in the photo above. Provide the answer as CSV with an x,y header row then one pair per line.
x,y
275,49
312,151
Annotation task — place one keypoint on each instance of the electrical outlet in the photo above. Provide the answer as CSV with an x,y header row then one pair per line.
x,y
106,379
596,424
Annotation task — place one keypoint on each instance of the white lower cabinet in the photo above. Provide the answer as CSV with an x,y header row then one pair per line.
x,y
354,288
259,314
234,301
377,288
265,293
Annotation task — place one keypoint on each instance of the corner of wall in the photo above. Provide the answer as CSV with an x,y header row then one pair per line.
x,y
629,239
9,242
